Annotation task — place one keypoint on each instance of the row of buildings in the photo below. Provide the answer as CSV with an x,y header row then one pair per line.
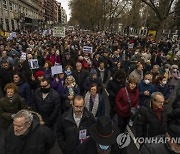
x,y
31,14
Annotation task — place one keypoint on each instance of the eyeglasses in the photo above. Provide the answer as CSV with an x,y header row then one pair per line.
x,y
78,107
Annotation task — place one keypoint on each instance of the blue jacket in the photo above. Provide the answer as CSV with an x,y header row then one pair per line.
x,y
101,106
25,92
142,88
165,90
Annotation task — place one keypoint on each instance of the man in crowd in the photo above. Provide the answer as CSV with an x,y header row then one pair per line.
x,y
72,128
152,119
47,103
170,144
28,135
103,139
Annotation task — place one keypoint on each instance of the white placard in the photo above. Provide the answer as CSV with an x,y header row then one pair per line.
x,y
23,56
33,63
59,31
56,69
131,46
87,49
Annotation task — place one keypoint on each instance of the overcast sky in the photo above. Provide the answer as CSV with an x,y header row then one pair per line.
x,y
64,4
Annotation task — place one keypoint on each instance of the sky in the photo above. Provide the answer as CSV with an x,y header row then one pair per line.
x,y
64,4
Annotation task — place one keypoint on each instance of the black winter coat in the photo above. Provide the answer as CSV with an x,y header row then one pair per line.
x,y
80,77
48,108
147,123
68,132
89,147
38,140
156,148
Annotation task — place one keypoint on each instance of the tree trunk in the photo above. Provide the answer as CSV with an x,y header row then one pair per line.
x,y
160,30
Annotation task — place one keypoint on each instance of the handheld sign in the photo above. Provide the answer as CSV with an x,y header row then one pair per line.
x,y
131,46
33,63
59,31
57,69
23,56
87,49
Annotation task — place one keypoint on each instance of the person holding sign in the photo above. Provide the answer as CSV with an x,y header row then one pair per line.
x,y
70,89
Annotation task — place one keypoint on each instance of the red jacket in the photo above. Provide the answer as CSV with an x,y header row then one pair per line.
x,y
122,105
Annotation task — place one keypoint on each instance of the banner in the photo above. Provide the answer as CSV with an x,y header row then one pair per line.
x,y
152,34
57,69
59,31
87,49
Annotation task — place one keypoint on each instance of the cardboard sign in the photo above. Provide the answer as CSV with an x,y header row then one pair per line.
x,y
59,31
33,63
23,56
57,69
87,49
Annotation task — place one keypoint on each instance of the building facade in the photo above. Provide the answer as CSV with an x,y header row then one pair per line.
x,y
30,14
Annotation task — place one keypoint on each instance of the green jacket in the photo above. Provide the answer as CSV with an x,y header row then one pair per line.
x,y
8,108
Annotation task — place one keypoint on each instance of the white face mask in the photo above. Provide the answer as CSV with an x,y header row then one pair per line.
x,y
167,70
164,82
175,70
104,147
146,81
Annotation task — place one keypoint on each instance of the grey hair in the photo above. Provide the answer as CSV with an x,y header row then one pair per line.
x,y
154,94
26,114
156,66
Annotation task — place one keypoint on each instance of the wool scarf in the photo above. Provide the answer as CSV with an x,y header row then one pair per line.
x,y
95,105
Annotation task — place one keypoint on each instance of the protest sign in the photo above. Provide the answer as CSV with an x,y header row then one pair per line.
x,y
59,31
33,63
57,69
87,49
131,46
23,56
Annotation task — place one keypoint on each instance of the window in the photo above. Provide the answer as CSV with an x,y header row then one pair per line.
x,y
7,24
4,4
12,23
10,6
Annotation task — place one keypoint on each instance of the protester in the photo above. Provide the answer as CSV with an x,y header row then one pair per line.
x,y
72,128
94,101
127,100
47,102
152,119
102,139
28,128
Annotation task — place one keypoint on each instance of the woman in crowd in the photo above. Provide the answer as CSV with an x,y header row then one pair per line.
x,y
10,104
162,86
94,101
70,89
23,87
127,101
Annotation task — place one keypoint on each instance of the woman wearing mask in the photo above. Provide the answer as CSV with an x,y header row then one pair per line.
x,y
94,101
23,87
70,89
127,101
174,76
162,86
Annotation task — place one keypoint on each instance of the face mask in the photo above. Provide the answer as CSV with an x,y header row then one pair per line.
x,y
68,72
175,70
167,70
164,82
45,90
104,147
146,81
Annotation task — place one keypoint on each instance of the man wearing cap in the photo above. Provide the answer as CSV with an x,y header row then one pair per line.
x,y
67,60
170,144
102,139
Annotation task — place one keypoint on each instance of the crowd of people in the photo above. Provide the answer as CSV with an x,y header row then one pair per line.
x,y
37,107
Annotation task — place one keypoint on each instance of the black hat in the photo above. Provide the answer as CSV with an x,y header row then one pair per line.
x,y
103,132
173,130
